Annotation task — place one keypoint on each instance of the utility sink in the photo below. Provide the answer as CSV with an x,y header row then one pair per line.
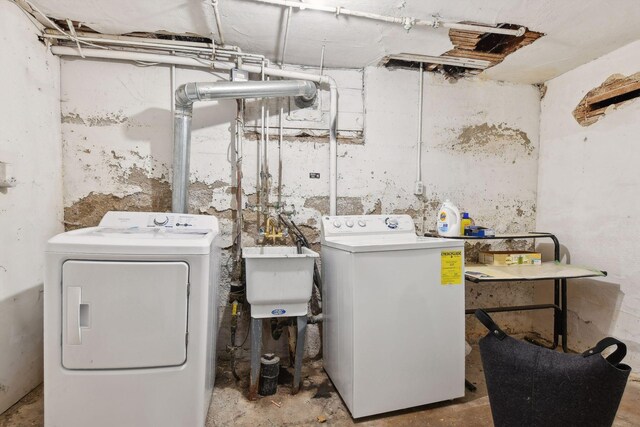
x,y
279,280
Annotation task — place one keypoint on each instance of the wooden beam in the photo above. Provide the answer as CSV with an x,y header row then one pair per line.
x,y
613,91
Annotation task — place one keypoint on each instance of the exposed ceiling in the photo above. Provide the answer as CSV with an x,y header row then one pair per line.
x,y
576,31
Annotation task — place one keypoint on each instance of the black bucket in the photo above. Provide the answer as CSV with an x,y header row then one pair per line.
x,y
269,370
531,386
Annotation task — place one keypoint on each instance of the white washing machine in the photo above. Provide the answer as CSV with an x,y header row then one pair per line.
x,y
393,309
130,322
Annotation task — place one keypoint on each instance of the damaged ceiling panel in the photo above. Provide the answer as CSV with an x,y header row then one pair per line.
x,y
473,51
353,42
489,47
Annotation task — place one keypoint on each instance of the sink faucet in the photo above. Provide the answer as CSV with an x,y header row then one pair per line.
x,y
272,231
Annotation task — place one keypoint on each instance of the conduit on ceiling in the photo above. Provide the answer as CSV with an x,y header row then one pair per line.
x,y
407,22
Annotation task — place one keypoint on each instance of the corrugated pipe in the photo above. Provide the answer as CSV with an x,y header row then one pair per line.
x,y
188,93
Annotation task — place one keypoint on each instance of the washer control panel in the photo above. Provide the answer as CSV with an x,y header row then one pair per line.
x,y
158,220
350,225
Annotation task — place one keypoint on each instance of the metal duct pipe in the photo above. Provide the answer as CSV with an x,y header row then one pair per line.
x,y
189,93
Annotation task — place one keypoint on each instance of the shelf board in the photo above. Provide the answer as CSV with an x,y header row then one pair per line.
x,y
511,273
531,235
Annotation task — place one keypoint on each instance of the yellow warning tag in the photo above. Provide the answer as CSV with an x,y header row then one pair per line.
x,y
451,267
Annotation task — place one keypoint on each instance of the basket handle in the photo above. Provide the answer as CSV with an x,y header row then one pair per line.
x,y
488,322
615,357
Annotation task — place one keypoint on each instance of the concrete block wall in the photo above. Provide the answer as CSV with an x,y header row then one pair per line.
x,y
588,184
30,212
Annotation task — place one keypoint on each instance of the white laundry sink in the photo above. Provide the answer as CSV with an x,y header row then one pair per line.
x,y
279,280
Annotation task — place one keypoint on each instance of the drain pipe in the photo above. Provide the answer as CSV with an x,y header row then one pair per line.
x,y
188,93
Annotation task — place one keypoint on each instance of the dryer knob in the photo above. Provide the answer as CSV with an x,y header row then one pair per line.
x,y
362,223
161,220
392,223
337,224
348,223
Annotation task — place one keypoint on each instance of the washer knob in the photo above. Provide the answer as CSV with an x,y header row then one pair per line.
x,y
392,223
161,220
362,223
337,224
349,223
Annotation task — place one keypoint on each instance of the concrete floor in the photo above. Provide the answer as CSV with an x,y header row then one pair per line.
x,y
230,407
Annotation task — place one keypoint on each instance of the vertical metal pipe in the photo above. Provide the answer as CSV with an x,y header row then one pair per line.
x,y
322,60
282,56
265,156
216,12
280,155
301,330
262,212
333,147
173,88
419,140
181,156
239,204
286,35
256,350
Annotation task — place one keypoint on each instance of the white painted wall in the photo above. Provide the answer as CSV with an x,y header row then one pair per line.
x,y
480,150
31,212
588,194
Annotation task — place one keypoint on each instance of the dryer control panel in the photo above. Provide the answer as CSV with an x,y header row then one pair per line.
x,y
356,225
158,220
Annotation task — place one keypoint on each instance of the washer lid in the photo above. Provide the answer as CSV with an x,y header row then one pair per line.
x,y
388,243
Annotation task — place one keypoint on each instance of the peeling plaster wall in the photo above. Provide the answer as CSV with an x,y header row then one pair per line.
x,y
588,195
480,150
30,212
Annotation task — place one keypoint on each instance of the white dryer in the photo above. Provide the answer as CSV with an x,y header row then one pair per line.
x,y
130,322
393,309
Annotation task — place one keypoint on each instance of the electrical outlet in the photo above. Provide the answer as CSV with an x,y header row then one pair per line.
x,y
418,189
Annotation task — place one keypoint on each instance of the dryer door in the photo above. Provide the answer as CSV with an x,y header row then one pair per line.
x,y
119,315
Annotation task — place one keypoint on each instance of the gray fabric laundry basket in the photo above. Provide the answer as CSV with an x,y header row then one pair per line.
x,y
530,385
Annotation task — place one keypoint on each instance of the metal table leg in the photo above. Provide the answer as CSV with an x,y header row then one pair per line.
x,y
565,310
557,317
256,350
557,322
302,327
